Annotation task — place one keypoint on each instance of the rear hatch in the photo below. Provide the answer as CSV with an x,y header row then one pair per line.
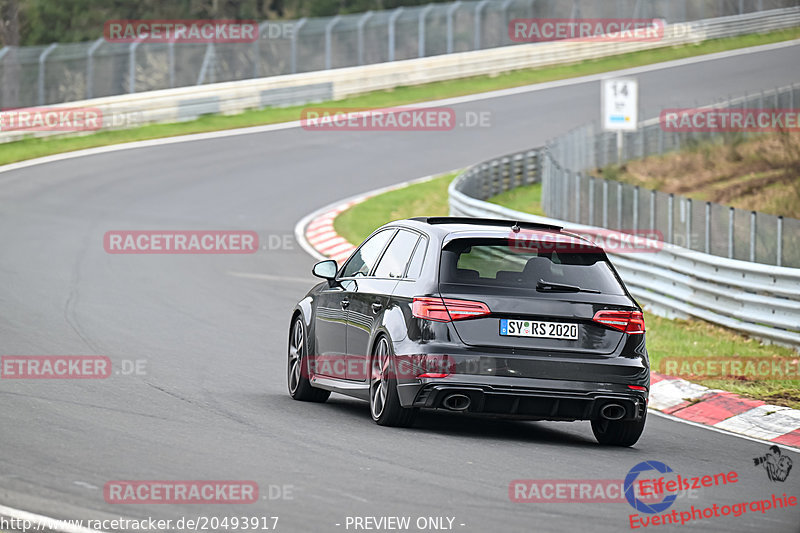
x,y
536,297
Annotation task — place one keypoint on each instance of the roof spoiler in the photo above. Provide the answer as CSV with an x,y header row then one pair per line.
x,y
486,222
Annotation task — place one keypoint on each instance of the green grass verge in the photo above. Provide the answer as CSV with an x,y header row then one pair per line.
x,y
527,199
33,147
665,338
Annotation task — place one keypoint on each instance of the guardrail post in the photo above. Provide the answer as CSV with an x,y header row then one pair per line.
x,y
670,217
591,200
421,30
779,244
295,33
42,59
360,36
450,11
605,203
329,41
477,18
392,19
730,232
90,67
752,236
636,208
708,227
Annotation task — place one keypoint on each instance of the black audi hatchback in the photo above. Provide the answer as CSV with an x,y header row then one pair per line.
x,y
479,316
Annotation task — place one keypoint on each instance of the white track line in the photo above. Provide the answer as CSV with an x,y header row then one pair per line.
x,y
446,101
42,523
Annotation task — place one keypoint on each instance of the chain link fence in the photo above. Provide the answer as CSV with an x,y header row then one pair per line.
x,y
570,192
43,75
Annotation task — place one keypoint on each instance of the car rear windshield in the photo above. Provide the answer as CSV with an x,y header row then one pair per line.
x,y
498,262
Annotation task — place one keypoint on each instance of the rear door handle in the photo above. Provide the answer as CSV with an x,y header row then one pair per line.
x,y
345,303
376,307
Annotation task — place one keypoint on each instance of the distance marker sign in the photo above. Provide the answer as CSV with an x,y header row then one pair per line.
x,y
620,104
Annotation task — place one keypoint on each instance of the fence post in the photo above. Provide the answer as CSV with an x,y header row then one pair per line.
x,y
730,232
779,247
207,61
591,200
619,205
636,208
450,11
42,59
295,34
653,211
689,223
171,61
504,7
421,30
741,7
670,217
132,67
392,20
478,9
257,49
578,198
90,67
329,41
360,36
752,236
605,203
708,227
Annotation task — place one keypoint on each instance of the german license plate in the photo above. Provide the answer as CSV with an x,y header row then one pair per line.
x,y
534,328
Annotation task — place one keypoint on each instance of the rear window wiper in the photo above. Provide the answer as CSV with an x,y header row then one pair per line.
x,y
543,285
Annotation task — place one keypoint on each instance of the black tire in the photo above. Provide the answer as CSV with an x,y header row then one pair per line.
x,y
297,371
384,402
618,432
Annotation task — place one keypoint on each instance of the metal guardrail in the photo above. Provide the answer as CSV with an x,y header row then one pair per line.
x,y
57,73
185,103
759,300
572,193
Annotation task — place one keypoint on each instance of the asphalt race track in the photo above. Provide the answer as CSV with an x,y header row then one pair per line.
x,y
211,402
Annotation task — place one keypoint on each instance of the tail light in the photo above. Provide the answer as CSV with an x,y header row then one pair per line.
x,y
627,321
637,387
447,309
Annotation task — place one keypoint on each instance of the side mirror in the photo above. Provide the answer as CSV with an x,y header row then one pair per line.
x,y
325,269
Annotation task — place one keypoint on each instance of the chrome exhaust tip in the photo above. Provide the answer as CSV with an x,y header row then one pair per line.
x,y
612,411
457,402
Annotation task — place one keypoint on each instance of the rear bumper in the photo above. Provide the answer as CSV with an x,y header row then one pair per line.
x,y
530,399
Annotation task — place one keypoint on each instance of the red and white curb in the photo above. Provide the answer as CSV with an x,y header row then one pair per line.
x,y
676,397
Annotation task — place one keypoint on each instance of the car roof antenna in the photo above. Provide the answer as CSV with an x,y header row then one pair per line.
x,y
515,228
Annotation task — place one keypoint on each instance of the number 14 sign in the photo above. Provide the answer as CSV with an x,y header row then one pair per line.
x,y
620,104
